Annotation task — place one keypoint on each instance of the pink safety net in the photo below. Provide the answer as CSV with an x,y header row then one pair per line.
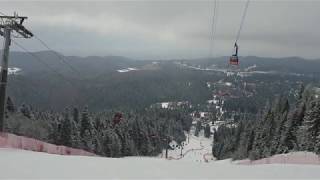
x,y
8,140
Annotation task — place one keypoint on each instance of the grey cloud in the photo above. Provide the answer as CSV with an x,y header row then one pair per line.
x,y
172,29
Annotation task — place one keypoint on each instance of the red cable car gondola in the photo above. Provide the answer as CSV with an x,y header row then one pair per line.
x,y
234,60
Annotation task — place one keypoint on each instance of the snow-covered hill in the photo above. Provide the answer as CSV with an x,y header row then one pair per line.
x,y
28,164
13,70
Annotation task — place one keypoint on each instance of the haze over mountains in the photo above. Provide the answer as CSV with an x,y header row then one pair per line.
x,y
89,66
97,81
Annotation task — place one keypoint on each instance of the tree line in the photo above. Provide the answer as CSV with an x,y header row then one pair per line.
x,y
278,128
140,132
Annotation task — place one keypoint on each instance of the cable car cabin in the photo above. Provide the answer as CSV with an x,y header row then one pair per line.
x,y
234,60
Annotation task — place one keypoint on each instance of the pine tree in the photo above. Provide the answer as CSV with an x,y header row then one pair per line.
x,y
300,92
317,144
295,119
25,110
268,134
207,131
75,135
85,122
55,130
66,131
111,144
145,147
261,142
245,142
310,127
88,141
198,128
281,119
76,115
10,105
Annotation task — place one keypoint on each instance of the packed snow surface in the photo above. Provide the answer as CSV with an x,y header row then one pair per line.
x,y
31,165
194,161
195,149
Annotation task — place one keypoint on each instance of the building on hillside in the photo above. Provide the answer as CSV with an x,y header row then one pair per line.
x,y
172,105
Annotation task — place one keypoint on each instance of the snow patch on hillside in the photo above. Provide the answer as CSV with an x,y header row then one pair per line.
x,y
13,70
165,105
127,70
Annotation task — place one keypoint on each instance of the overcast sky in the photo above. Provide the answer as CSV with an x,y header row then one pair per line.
x,y
171,29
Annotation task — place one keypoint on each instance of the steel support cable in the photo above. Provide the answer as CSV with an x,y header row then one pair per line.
x,y
62,58
213,28
77,101
241,24
242,20
86,96
75,86
41,61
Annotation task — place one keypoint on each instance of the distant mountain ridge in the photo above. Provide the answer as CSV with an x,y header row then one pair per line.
x,y
92,64
115,81
85,65
290,64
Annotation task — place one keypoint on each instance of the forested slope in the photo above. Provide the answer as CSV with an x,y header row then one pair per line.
x,y
279,128
143,132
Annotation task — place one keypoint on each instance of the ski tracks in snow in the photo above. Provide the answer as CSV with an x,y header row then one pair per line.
x,y
199,149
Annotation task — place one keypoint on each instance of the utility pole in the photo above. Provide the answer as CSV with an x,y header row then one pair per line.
x,y
8,24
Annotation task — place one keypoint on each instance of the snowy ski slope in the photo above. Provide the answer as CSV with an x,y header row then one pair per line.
x,y
28,164
196,149
196,163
